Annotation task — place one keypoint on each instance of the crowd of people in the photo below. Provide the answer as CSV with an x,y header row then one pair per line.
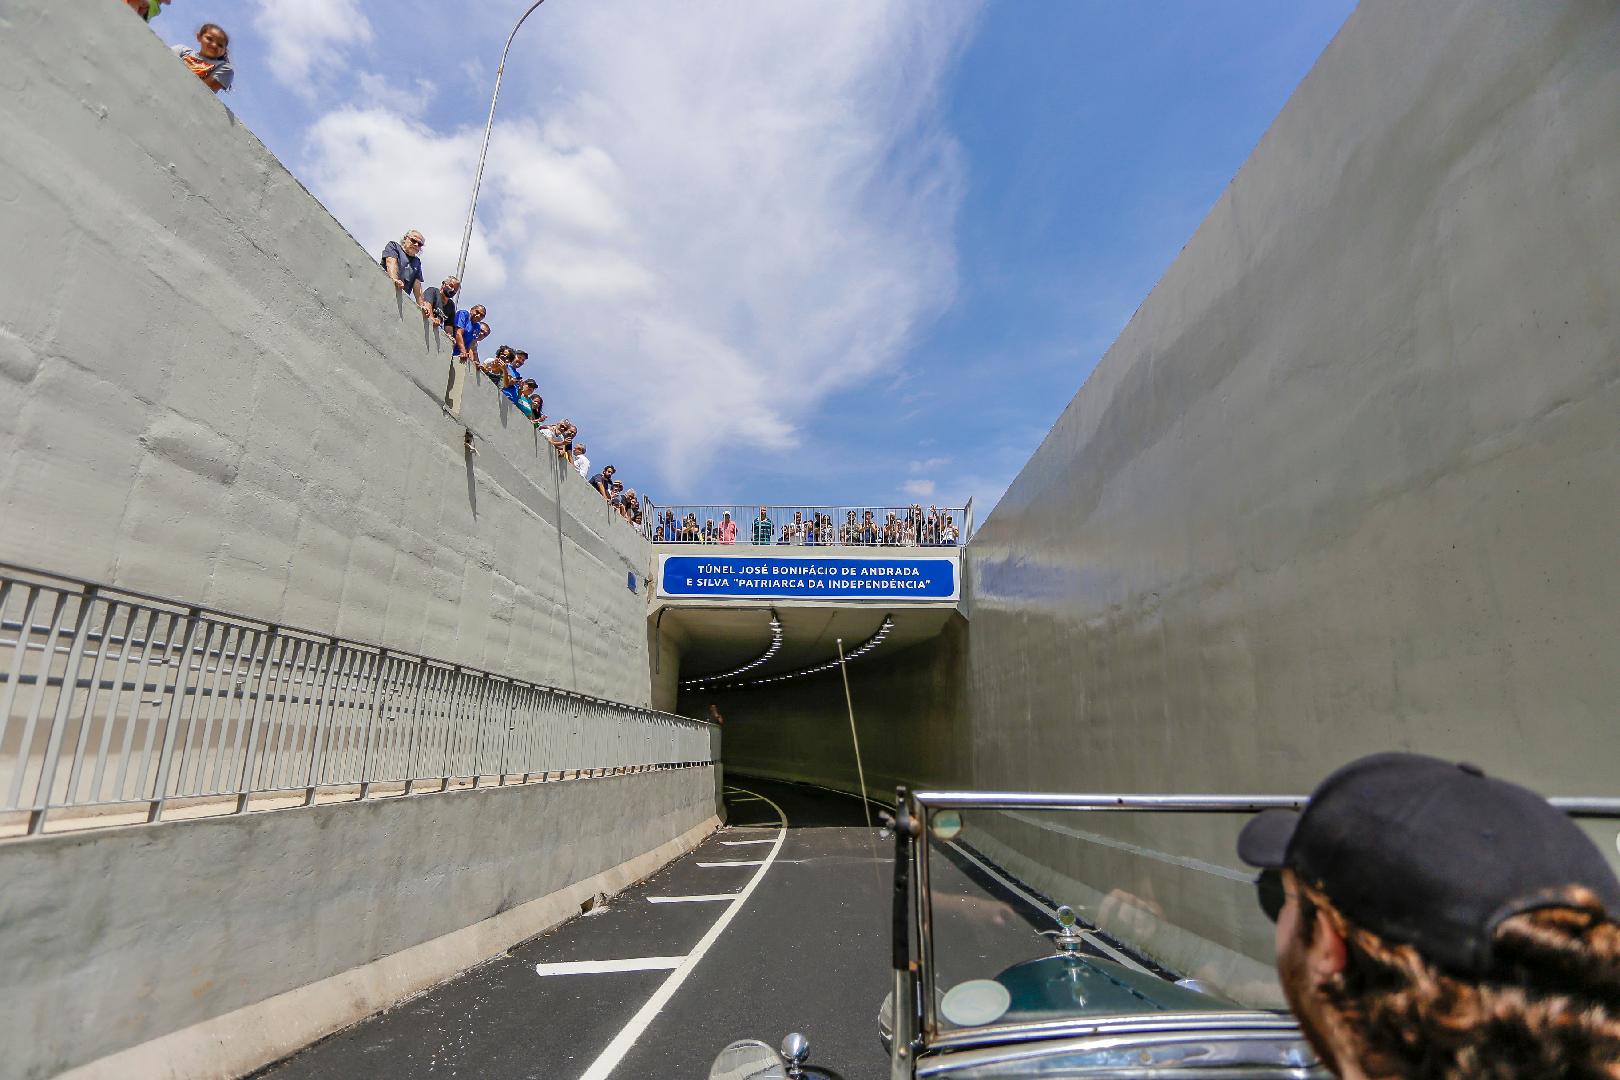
x,y
468,329
913,527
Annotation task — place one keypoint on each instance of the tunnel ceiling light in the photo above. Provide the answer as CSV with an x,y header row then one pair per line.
x,y
860,650
775,647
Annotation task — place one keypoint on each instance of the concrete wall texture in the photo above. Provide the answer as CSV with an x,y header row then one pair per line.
x,y
209,391
1347,480
228,404
118,936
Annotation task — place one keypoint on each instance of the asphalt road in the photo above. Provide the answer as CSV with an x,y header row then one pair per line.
x,y
806,950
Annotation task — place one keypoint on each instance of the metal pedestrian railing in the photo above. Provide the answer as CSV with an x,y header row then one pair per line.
x,y
805,525
110,699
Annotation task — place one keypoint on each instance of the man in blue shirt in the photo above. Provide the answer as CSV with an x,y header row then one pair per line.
x,y
470,330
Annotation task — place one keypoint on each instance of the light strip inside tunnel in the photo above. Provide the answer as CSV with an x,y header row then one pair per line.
x,y
860,650
776,645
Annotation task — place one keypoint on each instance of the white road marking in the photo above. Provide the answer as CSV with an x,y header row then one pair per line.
x,y
740,843
739,862
698,899
750,798
760,825
609,1059
598,967
1015,887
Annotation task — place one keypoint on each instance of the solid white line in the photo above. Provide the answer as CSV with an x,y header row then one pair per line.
x,y
1015,887
609,1059
739,862
691,899
751,798
740,843
598,967
760,825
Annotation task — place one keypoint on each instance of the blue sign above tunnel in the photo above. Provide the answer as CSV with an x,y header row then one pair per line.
x,y
753,577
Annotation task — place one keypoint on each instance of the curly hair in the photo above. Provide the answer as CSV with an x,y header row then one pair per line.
x,y
1550,1010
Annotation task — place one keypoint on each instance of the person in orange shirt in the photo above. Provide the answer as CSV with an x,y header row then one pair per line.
x,y
210,60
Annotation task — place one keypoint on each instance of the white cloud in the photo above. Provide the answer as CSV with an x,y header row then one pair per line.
x,y
309,40
929,465
715,215
918,489
382,174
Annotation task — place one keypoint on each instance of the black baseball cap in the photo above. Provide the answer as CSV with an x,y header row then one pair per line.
x,y
1431,853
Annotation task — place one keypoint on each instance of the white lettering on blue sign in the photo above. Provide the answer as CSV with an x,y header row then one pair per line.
x,y
919,578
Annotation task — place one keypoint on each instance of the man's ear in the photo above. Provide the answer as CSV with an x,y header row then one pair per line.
x,y
1327,952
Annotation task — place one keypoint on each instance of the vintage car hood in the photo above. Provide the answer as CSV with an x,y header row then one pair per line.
x,y
1056,987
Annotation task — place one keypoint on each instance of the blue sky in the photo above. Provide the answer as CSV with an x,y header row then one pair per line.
x,y
818,252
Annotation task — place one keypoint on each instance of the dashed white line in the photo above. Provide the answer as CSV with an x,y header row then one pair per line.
x,y
609,1059
599,967
703,898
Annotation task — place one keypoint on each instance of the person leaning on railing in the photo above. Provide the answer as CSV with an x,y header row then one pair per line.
x,y
560,435
498,367
441,304
1436,922
402,259
728,528
470,329
209,61
763,528
626,502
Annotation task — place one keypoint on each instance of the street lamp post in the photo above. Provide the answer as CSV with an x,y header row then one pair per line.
x,y
489,127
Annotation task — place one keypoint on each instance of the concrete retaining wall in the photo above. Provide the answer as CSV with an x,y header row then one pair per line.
x,y
210,392
1347,481
114,938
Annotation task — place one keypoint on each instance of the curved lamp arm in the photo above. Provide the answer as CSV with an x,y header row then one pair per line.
x,y
489,127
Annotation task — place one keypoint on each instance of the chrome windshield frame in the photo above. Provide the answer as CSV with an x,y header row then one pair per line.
x,y
914,828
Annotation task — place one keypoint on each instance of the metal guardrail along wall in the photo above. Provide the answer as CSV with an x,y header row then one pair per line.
x,y
794,524
109,698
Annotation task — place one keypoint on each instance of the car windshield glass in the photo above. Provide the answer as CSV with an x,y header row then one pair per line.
x,y
1161,924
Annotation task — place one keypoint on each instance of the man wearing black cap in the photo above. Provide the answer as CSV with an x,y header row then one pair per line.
x,y
1436,922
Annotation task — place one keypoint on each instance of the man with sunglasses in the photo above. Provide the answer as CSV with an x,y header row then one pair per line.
x,y
1436,922
402,259
441,303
